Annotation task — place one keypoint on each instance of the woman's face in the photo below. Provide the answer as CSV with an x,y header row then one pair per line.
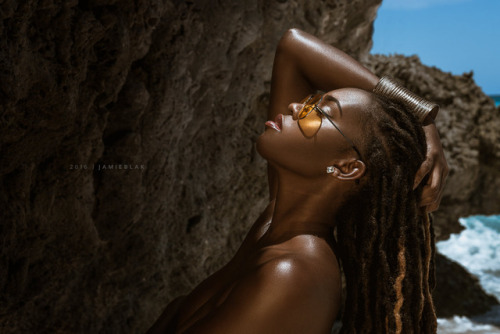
x,y
284,144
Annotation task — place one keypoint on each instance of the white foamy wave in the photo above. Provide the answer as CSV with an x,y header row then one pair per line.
x,y
464,325
478,249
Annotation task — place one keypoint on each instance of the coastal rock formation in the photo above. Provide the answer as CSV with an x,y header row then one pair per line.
x,y
469,127
127,135
458,293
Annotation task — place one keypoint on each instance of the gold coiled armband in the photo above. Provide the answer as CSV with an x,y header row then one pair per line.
x,y
393,90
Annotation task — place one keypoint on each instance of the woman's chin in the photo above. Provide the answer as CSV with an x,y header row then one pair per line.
x,y
260,145
264,147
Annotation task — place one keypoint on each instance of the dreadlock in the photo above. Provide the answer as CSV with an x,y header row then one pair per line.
x,y
385,241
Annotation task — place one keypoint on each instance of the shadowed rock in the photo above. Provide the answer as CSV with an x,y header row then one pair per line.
x,y
469,127
177,92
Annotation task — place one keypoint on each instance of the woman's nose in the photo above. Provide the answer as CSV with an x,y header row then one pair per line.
x,y
295,108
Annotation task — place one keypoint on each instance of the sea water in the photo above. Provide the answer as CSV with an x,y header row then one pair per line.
x,y
496,98
477,248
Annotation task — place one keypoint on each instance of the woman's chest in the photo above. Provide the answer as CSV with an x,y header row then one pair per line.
x,y
209,295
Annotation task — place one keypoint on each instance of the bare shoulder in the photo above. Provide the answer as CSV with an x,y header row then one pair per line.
x,y
295,289
305,273
304,260
284,294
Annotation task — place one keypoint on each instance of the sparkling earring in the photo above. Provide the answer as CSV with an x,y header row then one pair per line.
x,y
332,170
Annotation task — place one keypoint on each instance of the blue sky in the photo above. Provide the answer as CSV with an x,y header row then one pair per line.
x,y
454,35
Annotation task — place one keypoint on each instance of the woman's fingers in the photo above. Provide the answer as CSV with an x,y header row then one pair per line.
x,y
444,174
436,167
424,169
432,192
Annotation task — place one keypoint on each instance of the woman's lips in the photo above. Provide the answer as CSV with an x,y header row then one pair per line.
x,y
277,123
279,120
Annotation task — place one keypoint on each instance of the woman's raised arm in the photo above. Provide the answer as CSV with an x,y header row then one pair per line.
x,y
304,64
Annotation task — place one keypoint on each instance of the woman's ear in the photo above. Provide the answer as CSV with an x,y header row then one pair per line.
x,y
348,170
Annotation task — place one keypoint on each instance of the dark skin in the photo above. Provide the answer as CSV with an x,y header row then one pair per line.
x,y
285,277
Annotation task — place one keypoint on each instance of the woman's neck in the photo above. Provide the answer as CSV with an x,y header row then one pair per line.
x,y
303,206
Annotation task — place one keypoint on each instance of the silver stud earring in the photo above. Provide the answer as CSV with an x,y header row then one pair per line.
x,y
332,170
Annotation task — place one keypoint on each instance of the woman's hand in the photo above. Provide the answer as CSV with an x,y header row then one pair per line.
x,y
435,165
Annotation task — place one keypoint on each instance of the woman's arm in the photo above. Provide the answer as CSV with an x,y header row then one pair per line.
x,y
304,64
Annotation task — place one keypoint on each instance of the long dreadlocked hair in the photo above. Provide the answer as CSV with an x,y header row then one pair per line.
x,y
386,243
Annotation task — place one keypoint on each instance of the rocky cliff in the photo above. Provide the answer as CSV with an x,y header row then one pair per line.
x,y
469,126
127,136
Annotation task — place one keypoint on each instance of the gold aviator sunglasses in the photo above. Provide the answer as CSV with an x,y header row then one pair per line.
x,y
310,121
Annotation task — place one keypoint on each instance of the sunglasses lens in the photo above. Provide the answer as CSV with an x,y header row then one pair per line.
x,y
305,111
309,119
311,124
316,98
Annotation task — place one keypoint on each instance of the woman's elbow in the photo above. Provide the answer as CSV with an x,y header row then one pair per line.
x,y
290,37
289,43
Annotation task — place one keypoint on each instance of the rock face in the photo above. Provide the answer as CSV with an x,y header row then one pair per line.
x,y
174,90
461,294
127,137
469,126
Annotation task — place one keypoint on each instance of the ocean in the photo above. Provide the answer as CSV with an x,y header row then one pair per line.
x,y
496,98
477,248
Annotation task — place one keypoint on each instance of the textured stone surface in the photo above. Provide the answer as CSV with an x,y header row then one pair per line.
x,y
469,126
457,292
75,242
177,87
87,83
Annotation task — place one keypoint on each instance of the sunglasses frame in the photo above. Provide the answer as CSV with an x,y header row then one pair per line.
x,y
322,112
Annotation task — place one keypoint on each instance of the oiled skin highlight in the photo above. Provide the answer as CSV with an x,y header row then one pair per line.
x,y
285,277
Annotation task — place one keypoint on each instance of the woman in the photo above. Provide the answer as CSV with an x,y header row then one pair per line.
x,y
346,159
